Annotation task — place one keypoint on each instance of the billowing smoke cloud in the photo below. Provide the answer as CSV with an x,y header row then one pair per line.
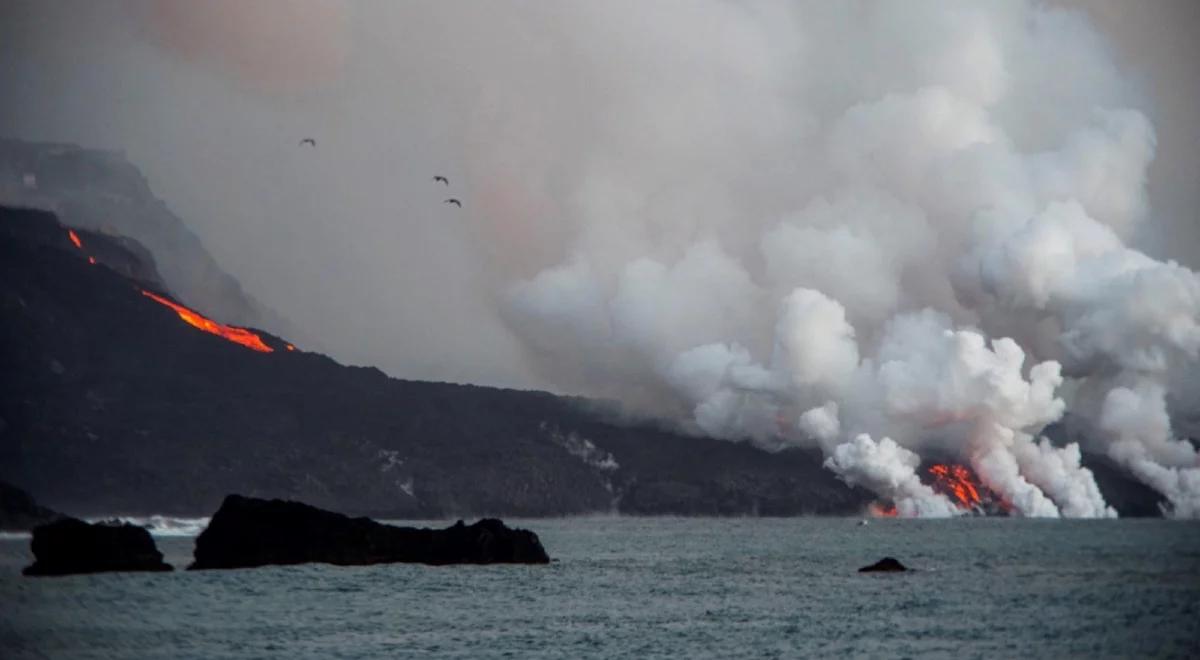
x,y
1139,430
943,230
887,468
879,229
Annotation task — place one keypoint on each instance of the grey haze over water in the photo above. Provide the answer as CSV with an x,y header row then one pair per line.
x,y
637,588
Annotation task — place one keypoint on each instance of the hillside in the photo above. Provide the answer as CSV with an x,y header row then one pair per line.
x,y
111,403
102,191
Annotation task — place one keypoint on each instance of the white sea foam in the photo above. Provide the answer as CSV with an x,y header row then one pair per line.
x,y
163,525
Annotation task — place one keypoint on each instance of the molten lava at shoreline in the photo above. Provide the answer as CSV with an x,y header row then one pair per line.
x,y
961,485
880,510
236,335
955,481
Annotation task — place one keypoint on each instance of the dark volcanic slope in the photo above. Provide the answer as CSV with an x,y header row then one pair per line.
x,y
19,511
109,403
102,191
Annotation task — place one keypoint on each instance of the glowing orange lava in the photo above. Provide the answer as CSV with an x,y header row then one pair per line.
x,y
79,244
879,510
956,481
290,347
237,335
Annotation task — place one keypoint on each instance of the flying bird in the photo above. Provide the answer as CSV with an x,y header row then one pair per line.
x,y
442,179
454,202
308,141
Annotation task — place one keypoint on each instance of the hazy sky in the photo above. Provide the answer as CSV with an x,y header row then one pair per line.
x,y
351,241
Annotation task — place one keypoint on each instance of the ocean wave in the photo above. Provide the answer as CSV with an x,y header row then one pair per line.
x,y
163,525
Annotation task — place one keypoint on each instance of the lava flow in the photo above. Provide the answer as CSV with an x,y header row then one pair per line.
x,y
79,244
958,483
881,510
238,335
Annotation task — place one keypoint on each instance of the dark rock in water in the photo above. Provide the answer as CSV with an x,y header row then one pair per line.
x,y
249,532
19,512
885,565
70,546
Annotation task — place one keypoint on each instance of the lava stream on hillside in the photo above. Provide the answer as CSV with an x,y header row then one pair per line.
x,y
232,333
237,335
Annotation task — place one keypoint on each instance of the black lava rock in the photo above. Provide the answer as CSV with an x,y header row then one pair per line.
x,y
249,532
885,565
70,546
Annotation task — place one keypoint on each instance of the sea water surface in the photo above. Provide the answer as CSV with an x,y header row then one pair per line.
x,y
656,587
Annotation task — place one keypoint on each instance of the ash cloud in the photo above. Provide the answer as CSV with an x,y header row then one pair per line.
x,y
873,228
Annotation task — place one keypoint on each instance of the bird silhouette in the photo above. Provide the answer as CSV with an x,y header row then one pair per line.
x,y
454,202
442,179
308,141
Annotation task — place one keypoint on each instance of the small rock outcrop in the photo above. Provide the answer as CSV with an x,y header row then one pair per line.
x,y
70,546
19,512
247,532
885,565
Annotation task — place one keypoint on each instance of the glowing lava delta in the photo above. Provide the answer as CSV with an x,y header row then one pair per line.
x,y
881,510
959,484
238,335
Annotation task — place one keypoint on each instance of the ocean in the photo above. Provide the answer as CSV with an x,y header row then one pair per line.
x,y
656,588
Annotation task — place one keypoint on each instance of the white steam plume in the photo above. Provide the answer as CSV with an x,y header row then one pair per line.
x,y
1139,431
890,470
932,210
